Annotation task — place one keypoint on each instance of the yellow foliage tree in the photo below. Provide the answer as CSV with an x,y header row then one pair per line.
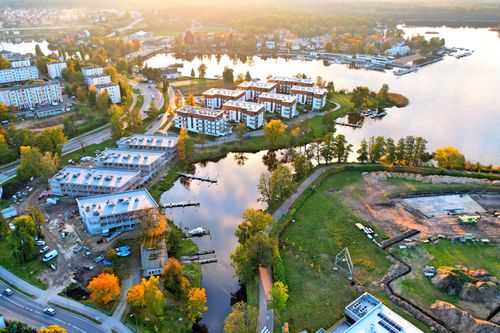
x,y
135,296
197,298
52,329
449,157
185,146
104,288
273,131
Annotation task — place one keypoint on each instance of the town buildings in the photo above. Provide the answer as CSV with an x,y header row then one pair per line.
x,y
254,89
18,74
148,163
163,143
113,91
154,256
94,76
17,61
110,213
169,73
202,120
216,97
31,96
398,49
251,114
284,105
54,69
314,96
285,84
75,181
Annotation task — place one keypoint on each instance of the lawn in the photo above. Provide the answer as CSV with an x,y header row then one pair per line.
x,y
195,86
324,226
409,185
27,271
87,151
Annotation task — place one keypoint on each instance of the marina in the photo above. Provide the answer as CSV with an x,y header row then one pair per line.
x,y
181,204
203,179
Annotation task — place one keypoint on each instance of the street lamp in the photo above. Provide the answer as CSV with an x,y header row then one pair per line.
x,y
136,324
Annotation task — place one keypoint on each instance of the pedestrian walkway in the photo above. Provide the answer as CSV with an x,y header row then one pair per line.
x,y
266,316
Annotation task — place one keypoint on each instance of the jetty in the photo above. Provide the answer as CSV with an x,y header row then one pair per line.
x,y
203,179
181,204
200,234
199,261
357,125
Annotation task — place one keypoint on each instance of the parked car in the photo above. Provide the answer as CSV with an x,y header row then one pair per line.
x,y
49,256
50,311
40,243
99,259
8,291
44,249
123,253
78,248
86,159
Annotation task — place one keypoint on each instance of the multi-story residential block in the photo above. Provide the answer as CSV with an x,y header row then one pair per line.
x,y
31,96
19,61
285,105
113,91
54,69
75,181
202,120
18,74
251,114
95,80
164,143
149,163
215,97
111,213
284,84
254,89
314,96
92,71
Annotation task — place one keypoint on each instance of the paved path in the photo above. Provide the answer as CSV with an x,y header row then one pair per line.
x,y
265,323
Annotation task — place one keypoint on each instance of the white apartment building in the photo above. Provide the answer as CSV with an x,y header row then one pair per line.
x,y
75,181
163,143
284,84
251,114
149,163
314,96
31,96
398,50
54,69
113,91
285,105
202,120
19,61
95,80
18,74
92,71
254,89
110,213
215,97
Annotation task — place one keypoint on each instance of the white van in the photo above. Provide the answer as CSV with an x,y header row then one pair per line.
x,y
49,256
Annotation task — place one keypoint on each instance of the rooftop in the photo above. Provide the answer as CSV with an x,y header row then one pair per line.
x,y
30,85
116,203
94,176
291,79
223,92
249,106
281,97
149,140
313,90
105,85
55,63
129,156
198,110
153,256
260,84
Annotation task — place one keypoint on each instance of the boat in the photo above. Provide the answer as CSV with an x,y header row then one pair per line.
x,y
400,72
197,232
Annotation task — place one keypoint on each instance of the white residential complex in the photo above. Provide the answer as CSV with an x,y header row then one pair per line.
x,y
110,213
163,143
314,96
284,105
18,74
113,91
92,71
285,84
148,163
251,114
95,80
94,76
31,96
75,181
202,120
54,69
215,97
18,61
254,89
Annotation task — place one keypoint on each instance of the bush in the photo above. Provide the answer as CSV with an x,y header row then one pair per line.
x,y
278,267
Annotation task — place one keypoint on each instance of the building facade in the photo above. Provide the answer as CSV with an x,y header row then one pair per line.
x,y
251,114
19,61
32,96
202,120
111,213
92,71
254,89
75,181
94,76
285,84
163,143
284,105
113,91
314,96
215,97
18,74
54,69
95,80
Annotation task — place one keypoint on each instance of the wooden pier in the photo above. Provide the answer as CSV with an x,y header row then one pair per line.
x,y
181,204
203,179
201,234
348,125
199,261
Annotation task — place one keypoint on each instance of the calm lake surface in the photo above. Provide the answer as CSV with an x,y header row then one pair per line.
x,y
453,102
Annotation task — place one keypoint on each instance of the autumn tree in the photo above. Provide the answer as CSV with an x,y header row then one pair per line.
x,y
274,131
104,288
4,227
196,303
37,216
34,164
51,140
21,238
155,300
185,146
241,130
274,187
302,165
92,96
202,71
255,252
81,94
279,297
135,296
52,329
254,221
102,101
241,319
449,157
173,277
190,100
154,225
4,63
116,119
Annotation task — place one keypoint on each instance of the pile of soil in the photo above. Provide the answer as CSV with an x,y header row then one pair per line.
x,y
461,321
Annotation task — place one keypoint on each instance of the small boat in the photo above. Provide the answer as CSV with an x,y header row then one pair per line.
x,y
123,253
197,231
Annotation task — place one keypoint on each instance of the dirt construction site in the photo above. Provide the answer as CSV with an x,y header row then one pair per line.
x,y
432,212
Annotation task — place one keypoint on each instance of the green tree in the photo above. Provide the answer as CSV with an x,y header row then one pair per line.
x,y
102,101
302,165
116,119
383,95
254,221
134,121
409,150
38,51
363,151
228,75
5,155
248,77
92,96
155,300
341,149
449,157
241,319
274,132
4,227
21,238
153,110
376,148
51,140
69,128
241,130
246,259
4,63
279,297
37,216
359,97
193,74
400,151
390,151
240,78
30,163
14,326
173,277
420,153
274,187
327,149
328,121
202,71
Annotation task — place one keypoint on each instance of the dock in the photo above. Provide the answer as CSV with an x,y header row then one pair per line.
x,y
203,179
204,233
199,261
181,204
357,125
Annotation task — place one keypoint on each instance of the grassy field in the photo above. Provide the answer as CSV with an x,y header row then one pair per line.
x,y
87,151
325,225
28,271
408,185
195,86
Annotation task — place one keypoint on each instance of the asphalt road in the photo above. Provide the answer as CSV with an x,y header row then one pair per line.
x,y
23,308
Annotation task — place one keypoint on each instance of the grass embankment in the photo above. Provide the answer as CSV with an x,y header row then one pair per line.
x,y
196,86
398,100
87,151
29,271
443,254
409,186
324,226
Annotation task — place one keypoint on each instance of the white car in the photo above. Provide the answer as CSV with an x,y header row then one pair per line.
x,y
86,159
8,292
50,311
44,249
40,243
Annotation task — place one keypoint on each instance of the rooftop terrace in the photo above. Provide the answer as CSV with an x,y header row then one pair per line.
x,y
198,110
149,140
129,156
94,176
223,92
278,97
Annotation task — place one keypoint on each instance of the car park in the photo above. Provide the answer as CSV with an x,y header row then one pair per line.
x,y
44,249
8,291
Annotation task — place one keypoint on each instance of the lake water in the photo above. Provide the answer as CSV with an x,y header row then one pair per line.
x,y
453,102
25,47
